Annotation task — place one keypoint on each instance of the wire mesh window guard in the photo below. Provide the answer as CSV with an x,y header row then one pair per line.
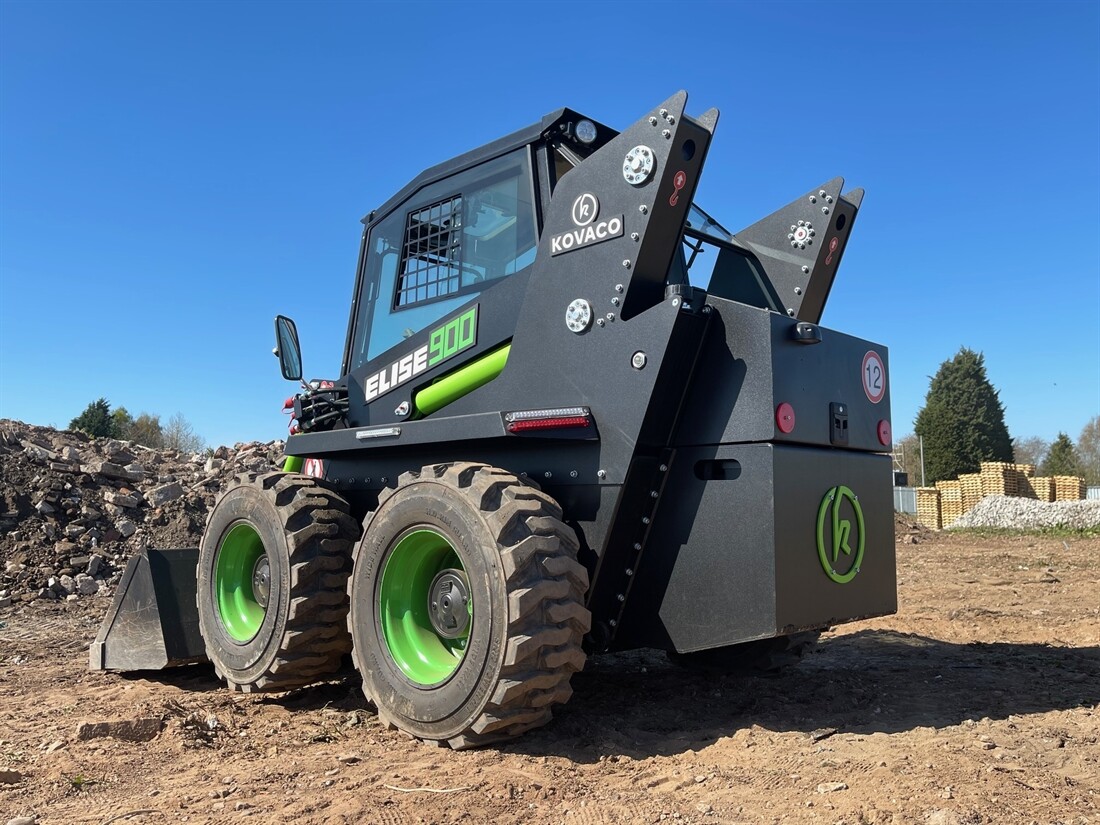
x,y
430,266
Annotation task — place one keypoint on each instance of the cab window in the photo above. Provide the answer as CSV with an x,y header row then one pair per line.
x,y
442,247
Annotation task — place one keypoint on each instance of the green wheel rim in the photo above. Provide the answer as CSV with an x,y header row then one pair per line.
x,y
425,656
241,610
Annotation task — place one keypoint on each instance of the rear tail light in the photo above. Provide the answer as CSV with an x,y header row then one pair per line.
x,y
552,419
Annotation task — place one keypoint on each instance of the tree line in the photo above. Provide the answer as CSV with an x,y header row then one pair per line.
x,y
100,421
962,424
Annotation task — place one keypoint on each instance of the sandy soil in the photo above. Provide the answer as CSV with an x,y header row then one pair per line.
x,y
976,703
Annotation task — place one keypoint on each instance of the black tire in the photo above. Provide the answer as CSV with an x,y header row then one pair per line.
x,y
757,658
528,616
307,536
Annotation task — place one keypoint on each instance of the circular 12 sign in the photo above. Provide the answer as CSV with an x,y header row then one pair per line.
x,y
874,376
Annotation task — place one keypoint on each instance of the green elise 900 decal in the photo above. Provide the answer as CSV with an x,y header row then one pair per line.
x,y
840,533
446,341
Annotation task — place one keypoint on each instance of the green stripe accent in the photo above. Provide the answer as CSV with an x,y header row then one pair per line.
x,y
462,381
293,464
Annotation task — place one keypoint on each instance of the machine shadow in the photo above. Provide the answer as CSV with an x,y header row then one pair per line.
x,y
638,704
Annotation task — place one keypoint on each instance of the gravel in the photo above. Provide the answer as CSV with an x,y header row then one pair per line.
x,y
1028,514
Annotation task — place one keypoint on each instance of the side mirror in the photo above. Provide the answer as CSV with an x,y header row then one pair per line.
x,y
287,348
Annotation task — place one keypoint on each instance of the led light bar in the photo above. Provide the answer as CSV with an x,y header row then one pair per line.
x,y
380,432
552,419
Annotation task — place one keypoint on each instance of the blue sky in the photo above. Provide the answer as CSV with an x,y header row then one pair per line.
x,y
172,175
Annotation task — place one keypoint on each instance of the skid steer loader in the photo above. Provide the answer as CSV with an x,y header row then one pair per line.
x,y
576,414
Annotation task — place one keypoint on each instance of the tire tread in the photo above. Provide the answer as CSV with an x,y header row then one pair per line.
x,y
320,533
546,616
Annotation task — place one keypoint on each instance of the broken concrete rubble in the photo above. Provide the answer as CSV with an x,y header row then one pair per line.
x,y
73,509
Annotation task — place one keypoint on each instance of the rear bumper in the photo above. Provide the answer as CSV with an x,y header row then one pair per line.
x,y
758,540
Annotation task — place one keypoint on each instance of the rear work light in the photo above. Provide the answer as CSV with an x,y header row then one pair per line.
x,y
552,419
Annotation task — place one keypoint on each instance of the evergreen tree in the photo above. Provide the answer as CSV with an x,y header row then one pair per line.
x,y
1062,458
95,420
962,421
121,421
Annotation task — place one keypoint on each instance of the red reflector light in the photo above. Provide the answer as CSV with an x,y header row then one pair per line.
x,y
548,423
784,417
884,433
555,418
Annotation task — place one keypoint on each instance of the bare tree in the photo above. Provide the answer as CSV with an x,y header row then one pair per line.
x,y
146,430
178,434
907,458
1088,450
1031,450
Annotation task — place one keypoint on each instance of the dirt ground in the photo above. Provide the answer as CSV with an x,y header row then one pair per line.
x,y
979,702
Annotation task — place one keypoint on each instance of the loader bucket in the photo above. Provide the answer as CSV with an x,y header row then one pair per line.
x,y
153,622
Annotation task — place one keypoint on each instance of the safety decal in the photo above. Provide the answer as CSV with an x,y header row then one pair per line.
x,y
679,180
874,376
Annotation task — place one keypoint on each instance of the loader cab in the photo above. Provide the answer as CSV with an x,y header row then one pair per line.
x,y
441,247
458,229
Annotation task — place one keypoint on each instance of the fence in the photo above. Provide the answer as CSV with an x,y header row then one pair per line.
x,y
905,500
1092,492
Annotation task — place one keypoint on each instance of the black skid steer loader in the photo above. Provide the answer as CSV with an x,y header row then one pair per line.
x,y
576,414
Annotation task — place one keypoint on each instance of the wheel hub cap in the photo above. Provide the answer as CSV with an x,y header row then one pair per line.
x,y
261,580
425,607
448,603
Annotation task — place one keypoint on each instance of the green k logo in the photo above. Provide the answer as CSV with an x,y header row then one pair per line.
x,y
828,552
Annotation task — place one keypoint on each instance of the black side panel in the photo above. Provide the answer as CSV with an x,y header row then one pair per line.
x,y
734,554
751,362
707,578
805,596
153,622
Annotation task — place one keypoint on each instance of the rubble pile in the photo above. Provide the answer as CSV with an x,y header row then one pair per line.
x,y
1028,514
73,509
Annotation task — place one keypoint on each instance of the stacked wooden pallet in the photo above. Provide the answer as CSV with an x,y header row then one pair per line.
x,y
1043,488
999,478
971,484
1024,486
1024,474
951,501
928,507
1068,488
